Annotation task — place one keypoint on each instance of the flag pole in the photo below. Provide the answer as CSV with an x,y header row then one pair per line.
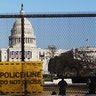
x,y
87,42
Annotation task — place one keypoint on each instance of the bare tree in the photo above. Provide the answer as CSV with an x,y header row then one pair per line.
x,y
52,50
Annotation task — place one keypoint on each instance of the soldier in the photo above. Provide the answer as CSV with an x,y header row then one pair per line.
x,y
91,85
62,87
54,93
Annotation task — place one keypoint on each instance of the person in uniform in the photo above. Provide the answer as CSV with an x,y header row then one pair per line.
x,y
62,87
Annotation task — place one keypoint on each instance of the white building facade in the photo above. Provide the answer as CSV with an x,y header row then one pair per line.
x,y
32,53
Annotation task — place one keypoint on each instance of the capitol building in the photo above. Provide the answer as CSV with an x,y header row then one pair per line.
x,y
31,51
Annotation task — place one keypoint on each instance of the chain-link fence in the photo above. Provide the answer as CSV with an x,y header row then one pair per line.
x,y
71,35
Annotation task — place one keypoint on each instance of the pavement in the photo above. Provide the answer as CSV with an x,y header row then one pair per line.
x,y
75,89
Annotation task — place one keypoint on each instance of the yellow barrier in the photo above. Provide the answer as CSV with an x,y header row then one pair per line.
x,y
18,77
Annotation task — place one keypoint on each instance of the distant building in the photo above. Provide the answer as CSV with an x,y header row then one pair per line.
x,y
87,54
32,53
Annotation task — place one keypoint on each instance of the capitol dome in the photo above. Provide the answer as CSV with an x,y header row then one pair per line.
x,y
26,23
29,37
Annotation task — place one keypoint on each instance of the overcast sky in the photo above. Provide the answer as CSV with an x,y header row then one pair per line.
x,y
64,33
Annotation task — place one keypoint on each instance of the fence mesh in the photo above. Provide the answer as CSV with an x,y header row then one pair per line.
x,y
66,32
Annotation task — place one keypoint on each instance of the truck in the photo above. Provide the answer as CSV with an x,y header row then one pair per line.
x,y
21,78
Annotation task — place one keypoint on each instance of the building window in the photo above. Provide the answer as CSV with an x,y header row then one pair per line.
x,y
41,55
12,54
